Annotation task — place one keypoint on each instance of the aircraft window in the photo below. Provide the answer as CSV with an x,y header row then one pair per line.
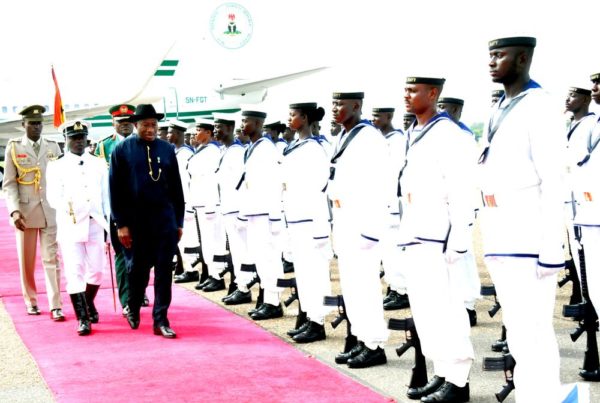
x,y
76,106
4,109
15,109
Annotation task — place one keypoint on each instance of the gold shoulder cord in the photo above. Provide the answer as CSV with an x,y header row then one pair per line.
x,y
150,166
102,155
24,171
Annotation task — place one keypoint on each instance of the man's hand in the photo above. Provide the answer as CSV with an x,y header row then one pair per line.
x,y
19,220
124,237
179,233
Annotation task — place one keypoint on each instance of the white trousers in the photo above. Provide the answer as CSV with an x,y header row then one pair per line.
x,y
590,239
395,272
212,233
237,248
527,312
311,269
465,277
84,261
189,239
360,283
264,250
438,311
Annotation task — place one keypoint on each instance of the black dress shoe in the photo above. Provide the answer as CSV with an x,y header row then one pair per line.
x,y
448,393
33,310
238,297
299,330
133,319
590,376
368,358
268,311
342,358
472,317
314,332
434,384
84,327
214,285
146,300
499,345
187,277
395,301
202,284
164,331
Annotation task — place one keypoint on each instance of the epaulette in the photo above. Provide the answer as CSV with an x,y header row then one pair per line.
x,y
15,139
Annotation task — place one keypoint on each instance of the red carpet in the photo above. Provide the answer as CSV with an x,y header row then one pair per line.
x,y
217,356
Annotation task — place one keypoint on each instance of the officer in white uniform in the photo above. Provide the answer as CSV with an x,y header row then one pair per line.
x,y
204,197
396,298
305,169
357,189
587,193
78,190
260,208
522,183
229,172
437,186
466,274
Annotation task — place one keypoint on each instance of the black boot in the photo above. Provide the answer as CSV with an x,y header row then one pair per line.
x,y
80,307
259,301
313,332
90,295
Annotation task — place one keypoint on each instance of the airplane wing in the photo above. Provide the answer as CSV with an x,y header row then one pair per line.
x,y
243,88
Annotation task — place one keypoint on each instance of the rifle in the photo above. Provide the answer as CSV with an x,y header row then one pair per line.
x,y
490,290
351,341
588,323
228,266
507,364
291,283
419,371
570,266
251,268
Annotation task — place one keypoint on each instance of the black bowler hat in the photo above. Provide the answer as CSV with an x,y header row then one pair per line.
x,y
425,80
145,111
449,100
526,41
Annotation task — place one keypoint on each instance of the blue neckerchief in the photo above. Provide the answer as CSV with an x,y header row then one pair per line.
x,y
530,84
280,140
572,128
394,131
465,127
434,119
297,144
250,149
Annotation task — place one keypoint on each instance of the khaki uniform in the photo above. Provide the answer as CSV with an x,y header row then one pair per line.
x,y
25,190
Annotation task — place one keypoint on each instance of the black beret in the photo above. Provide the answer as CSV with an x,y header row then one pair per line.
x,y
382,110
425,80
449,100
254,114
526,41
304,105
348,95
578,90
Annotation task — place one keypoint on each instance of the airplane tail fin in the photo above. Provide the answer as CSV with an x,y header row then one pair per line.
x,y
158,83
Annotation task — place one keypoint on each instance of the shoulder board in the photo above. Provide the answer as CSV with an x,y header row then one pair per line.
x,y
51,141
16,139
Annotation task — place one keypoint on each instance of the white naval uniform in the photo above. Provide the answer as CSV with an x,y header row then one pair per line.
x,y
77,187
204,197
586,188
189,237
357,191
284,237
438,186
260,205
522,223
577,138
305,169
231,168
394,270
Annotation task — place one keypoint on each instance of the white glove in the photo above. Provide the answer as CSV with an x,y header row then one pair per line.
x,y
276,227
366,244
543,272
453,256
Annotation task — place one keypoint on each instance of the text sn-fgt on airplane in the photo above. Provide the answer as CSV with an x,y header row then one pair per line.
x,y
182,99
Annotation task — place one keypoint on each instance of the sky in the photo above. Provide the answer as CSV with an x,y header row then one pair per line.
x,y
103,51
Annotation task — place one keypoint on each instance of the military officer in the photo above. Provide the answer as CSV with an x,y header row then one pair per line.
x,y
123,128
204,197
229,171
466,267
521,174
437,187
163,131
357,189
147,205
78,189
396,298
260,208
24,187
